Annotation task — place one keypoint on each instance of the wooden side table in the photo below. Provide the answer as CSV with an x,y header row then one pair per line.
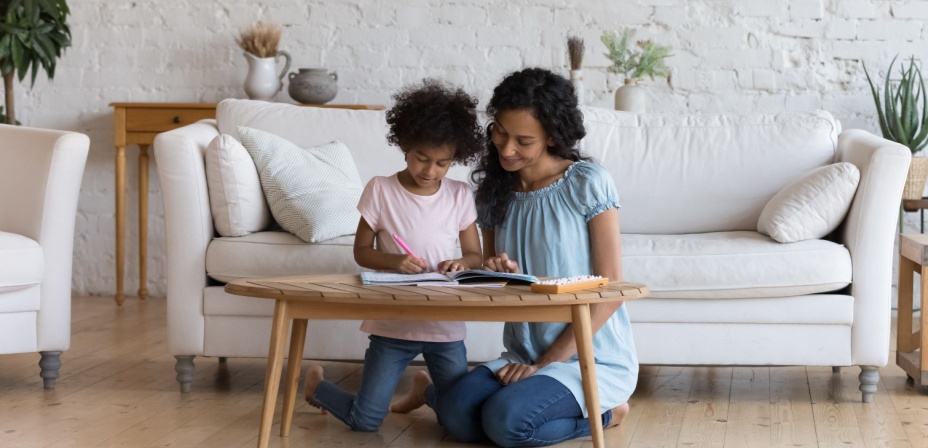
x,y
300,298
139,123
911,345
916,205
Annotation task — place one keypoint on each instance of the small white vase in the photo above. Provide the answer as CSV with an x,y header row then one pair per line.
x,y
631,97
263,82
576,77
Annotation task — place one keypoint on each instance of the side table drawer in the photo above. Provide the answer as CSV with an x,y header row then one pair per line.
x,y
163,119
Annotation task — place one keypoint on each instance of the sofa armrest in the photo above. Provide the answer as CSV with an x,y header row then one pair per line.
x,y
189,229
40,180
869,232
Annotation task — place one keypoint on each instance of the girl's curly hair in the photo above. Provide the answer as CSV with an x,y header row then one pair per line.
x,y
432,113
553,103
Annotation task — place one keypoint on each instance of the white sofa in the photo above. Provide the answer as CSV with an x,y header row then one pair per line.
x,y
40,177
692,188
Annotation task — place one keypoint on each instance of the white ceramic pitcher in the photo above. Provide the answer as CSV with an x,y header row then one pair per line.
x,y
263,81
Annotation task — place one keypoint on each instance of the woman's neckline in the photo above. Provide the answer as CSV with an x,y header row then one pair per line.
x,y
553,186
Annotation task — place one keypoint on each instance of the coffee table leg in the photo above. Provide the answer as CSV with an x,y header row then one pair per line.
x,y
583,333
294,362
275,359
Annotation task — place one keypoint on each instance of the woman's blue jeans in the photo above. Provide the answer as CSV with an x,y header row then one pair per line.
x,y
535,411
384,362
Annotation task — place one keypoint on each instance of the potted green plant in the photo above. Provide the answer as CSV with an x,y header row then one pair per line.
x,y
634,65
33,35
903,117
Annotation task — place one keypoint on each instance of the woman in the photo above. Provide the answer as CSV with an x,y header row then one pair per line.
x,y
545,211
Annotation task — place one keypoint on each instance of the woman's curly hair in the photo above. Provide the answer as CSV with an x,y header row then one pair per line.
x,y
553,103
432,113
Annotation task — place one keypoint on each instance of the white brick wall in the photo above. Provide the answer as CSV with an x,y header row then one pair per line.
x,y
730,55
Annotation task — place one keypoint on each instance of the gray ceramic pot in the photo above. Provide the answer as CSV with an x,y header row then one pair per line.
x,y
313,86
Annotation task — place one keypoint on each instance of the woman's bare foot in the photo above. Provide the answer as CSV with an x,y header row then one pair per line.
x,y
415,398
618,414
313,378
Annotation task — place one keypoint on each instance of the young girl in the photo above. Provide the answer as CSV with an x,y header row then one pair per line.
x,y
434,126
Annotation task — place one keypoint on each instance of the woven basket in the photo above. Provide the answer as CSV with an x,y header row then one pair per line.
x,y
915,180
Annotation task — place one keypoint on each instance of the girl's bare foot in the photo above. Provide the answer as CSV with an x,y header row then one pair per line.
x,y
618,414
313,378
415,398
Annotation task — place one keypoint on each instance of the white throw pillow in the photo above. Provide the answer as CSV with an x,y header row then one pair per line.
x,y
812,206
313,192
235,196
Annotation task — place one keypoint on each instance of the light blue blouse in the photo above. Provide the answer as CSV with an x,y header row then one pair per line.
x,y
546,232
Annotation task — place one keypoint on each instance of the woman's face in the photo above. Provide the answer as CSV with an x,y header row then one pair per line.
x,y
519,138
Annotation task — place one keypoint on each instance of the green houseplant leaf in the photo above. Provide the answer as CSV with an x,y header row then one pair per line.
x,y
646,61
33,35
903,109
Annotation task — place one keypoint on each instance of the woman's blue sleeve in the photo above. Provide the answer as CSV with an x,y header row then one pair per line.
x,y
594,190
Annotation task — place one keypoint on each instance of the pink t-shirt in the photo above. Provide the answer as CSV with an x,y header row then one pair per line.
x,y
430,226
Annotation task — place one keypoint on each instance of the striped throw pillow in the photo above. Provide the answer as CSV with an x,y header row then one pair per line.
x,y
312,192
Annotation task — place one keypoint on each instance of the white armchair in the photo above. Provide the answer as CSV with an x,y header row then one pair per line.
x,y
40,176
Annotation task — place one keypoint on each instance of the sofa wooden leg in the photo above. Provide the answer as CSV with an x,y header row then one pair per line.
x,y
869,377
835,369
223,359
184,368
50,364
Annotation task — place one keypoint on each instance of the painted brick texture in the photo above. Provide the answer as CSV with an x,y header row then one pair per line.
x,y
730,56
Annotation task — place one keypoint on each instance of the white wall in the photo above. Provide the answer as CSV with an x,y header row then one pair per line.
x,y
730,56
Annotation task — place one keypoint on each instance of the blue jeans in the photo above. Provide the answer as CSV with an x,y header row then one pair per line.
x,y
384,362
535,411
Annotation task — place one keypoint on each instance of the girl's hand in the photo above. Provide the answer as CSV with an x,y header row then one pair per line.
x,y
407,264
502,263
512,372
451,266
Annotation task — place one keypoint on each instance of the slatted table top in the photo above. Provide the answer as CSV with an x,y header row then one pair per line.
x,y
348,289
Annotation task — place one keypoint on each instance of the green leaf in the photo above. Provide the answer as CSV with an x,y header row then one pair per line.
x,y
879,107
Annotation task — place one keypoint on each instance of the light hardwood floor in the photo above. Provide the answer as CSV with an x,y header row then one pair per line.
x,y
117,389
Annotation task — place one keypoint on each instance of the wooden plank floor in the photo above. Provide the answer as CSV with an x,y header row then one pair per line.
x,y
117,389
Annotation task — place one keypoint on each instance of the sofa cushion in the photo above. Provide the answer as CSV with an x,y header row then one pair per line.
x,y
680,174
812,206
22,262
364,132
235,196
267,254
725,265
312,192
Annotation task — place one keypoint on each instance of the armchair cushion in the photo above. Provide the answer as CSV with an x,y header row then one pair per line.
x,y
22,263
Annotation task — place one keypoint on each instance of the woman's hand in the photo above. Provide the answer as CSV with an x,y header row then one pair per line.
x,y
451,266
502,263
407,264
512,372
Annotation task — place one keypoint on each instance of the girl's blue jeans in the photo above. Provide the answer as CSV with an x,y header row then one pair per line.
x,y
384,362
535,411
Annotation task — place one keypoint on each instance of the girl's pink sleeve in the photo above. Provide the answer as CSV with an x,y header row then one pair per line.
x,y
369,204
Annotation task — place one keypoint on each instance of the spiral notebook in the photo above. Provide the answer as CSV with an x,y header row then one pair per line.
x,y
448,279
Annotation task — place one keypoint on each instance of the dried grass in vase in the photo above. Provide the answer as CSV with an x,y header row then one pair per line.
x,y
260,39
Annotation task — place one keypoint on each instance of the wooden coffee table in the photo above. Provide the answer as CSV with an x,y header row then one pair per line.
x,y
299,298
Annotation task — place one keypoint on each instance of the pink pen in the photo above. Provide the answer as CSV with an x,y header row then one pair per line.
x,y
403,245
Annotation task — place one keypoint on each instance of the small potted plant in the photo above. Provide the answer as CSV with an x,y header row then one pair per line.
x,y
903,117
634,64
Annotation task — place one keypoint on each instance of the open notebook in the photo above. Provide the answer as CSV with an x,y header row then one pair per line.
x,y
450,278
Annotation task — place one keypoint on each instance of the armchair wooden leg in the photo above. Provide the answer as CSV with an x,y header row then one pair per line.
x,y
835,369
184,368
869,377
50,364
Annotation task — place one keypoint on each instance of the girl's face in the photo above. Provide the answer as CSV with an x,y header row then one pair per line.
x,y
427,165
520,139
